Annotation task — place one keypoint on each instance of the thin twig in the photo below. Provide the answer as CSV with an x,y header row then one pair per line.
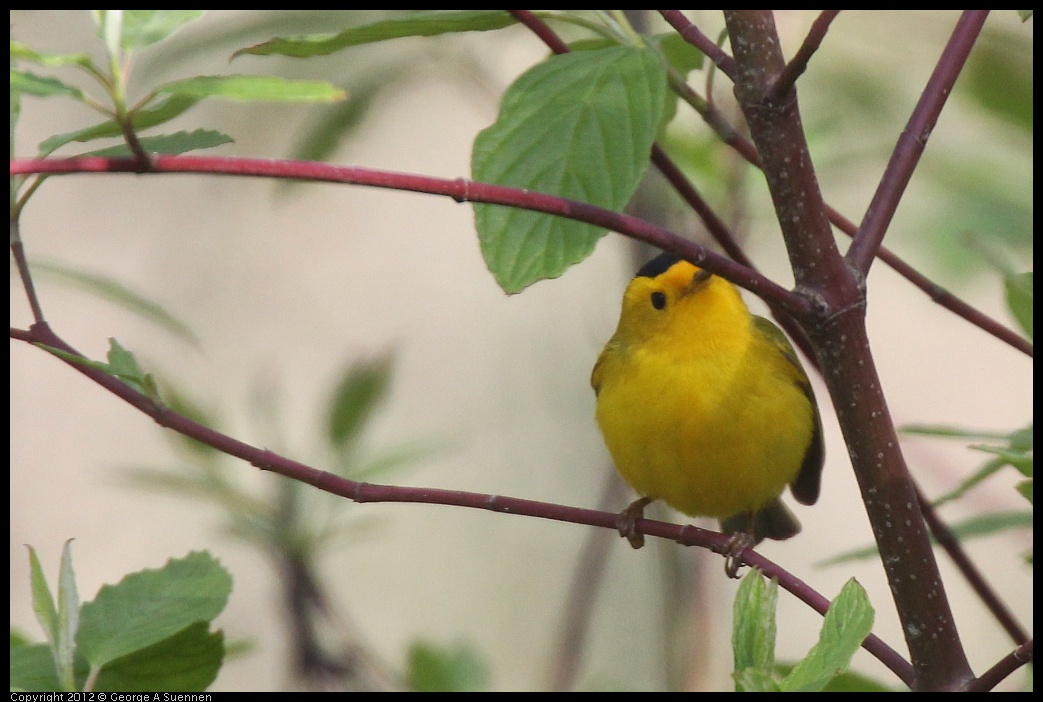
x,y
799,63
971,573
334,484
913,140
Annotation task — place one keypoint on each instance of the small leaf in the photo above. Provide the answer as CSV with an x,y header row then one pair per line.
x,y
68,616
112,290
1019,300
162,111
847,623
150,606
250,88
358,394
31,84
144,27
43,602
456,668
972,528
122,361
21,51
414,24
580,126
176,143
753,626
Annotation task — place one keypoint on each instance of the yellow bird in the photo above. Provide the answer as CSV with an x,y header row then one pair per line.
x,y
707,407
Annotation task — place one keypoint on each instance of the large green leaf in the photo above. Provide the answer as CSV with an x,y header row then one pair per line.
x,y
580,126
150,606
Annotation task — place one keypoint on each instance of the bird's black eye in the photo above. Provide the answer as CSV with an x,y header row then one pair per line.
x,y
658,300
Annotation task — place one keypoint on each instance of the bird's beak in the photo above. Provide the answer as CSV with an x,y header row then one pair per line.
x,y
699,278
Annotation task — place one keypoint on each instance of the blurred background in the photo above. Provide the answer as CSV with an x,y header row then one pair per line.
x,y
287,287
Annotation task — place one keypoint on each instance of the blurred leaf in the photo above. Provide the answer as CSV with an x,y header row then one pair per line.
x,y
680,54
23,52
579,126
341,120
358,394
144,27
1000,80
31,84
753,631
176,143
456,668
109,289
1025,15
988,469
32,669
415,24
1022,461
975,527
163,110
390,460
1019,299
251,88
847,623
150,606
1015,449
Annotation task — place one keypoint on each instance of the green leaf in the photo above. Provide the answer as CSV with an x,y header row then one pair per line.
x,y
43,602
59,623
847,623
456,668
144,27
972,528
580,126
1019,299
1022,461
254,88
162,111
188,661
23,52
755,680
68,617
31,84
150,606
176,143
681,55
108,289
753,627
339,121
415,24
358,394
32,669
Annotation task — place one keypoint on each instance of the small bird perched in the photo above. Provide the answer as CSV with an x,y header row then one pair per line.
x,y
707,407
